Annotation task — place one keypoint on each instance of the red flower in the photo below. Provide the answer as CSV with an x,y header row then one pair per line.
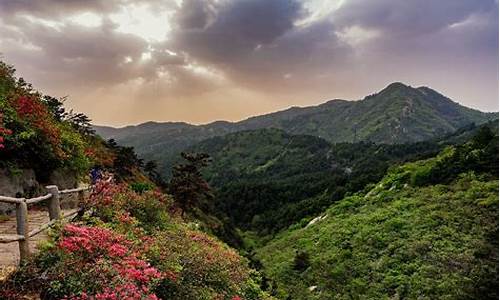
x,y
32,110
3,133
113,255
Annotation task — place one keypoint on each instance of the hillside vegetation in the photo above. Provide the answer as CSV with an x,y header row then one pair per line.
x,y
35,131
427,230
391,197
38,133
397,114
267,179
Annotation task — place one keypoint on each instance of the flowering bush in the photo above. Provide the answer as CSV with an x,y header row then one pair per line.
x,y
98,263
30,109
211,269
130,247
3,132
33,134
150,208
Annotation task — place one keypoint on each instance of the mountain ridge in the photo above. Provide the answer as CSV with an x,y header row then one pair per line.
x,y
324,104
396,114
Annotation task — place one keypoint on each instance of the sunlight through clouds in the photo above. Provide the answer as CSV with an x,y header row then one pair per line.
x,y
140,20
87,19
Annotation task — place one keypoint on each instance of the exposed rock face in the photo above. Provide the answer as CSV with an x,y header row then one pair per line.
x,y
63,179
23,183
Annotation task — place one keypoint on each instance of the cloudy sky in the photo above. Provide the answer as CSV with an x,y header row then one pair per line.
x,y
126,62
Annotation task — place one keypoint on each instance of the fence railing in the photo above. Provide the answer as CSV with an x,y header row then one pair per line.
x,y
53,201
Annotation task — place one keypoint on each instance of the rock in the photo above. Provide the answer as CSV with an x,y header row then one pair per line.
x,y
315,220
22,183
63,179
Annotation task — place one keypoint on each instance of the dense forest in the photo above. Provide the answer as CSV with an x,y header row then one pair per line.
x,y
267,180
396,114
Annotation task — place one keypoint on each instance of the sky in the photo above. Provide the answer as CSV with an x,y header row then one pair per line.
x,y
131,61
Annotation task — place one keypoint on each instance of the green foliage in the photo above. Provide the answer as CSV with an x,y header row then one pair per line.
x,y
125,160
141,187
479,155
266,180
37,133
301,261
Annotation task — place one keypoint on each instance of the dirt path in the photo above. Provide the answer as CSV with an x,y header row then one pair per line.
x,y
9,253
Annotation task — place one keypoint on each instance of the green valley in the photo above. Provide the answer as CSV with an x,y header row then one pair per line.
x,y
391,197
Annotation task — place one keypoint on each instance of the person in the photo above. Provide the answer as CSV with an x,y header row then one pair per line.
x,y
95,174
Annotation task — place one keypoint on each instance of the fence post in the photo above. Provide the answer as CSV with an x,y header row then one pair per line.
x,y
81,197
22,229
54,204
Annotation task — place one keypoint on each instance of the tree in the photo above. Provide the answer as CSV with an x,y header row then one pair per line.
x,y
78,121
126,160
483,137
187,186
301,261
81,123
151,169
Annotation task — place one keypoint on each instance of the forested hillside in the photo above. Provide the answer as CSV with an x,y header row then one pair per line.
x,y
39,134
266,180
427,230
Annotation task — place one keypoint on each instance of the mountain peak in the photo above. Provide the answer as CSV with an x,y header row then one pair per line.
x,y
395,86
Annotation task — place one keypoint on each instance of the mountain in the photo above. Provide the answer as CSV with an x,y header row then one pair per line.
x,y
397,114
427,230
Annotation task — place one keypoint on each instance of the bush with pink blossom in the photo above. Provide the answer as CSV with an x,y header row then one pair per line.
x,y
132,245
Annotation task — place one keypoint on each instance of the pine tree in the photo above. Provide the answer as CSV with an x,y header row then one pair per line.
x,y
187,185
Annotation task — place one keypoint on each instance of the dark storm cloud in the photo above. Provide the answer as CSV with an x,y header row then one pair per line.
x,y
54,8
226,31
413,25
256,43
75,52
71,55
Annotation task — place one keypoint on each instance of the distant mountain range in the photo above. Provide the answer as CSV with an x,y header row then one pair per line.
x,y
397,114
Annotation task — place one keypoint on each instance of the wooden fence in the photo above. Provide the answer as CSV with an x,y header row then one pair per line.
x,y
54,206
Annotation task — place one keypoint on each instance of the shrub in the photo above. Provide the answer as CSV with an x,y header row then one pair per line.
x,y
140,187
35,134
301,261
97,263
